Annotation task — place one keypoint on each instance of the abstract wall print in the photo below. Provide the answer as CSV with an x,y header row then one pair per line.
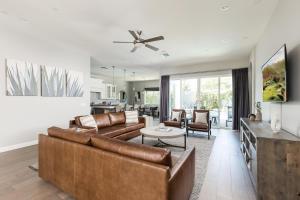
x,y
21,78
74,84
53,81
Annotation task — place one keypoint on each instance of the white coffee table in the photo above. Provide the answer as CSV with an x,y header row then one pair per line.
x,y
155,132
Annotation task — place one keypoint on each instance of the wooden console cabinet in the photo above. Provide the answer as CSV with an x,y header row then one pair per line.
x,y
273,161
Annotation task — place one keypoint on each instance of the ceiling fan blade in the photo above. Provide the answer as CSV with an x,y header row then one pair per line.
x,y
154,39
122,42
151,47
134,49
133,34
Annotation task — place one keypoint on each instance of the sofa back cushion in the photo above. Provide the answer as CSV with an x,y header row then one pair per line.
x,y
117,118
132,150
81,136
102,120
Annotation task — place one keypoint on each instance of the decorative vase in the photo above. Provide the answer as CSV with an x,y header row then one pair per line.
x,y
258,115
252,117
275,125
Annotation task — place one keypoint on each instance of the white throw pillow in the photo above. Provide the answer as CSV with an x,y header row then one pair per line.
x,y
132,116
176,115
88,121
201,117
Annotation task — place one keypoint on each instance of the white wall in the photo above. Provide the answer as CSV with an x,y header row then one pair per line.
x,y
205,67
22,118
282,28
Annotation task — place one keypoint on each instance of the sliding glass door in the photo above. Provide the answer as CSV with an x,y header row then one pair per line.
x,y
175,95
209,98
189,95
226,101
213,93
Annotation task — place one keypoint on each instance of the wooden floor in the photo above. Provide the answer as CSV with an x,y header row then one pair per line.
x,y
226,178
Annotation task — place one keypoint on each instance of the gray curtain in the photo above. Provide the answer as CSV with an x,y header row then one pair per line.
x,y
164,98
240,93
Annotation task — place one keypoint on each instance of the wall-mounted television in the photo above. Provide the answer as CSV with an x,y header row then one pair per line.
x,y
274,77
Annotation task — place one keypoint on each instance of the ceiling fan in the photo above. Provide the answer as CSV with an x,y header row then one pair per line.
x,y
138,41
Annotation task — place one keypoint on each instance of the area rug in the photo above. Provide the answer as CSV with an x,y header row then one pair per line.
x,y
203,148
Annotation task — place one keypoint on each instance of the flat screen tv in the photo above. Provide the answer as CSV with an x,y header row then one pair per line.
x,y
274,77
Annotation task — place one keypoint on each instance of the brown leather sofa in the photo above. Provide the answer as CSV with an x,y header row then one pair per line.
x,y
89,166
113,125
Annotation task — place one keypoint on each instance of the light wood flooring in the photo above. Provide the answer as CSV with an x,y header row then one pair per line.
x,y
226,177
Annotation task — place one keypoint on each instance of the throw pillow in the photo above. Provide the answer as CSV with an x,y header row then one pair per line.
x,y
88,121
132,116
176,115
201,117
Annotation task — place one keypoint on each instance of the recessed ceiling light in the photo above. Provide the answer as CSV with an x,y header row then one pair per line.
x,y
225,8
164,53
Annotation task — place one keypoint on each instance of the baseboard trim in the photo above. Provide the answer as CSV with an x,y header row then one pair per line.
x,y
18,146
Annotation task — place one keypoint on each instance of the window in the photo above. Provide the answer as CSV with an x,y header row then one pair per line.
x,y
189,94
151,97
213,93
175,94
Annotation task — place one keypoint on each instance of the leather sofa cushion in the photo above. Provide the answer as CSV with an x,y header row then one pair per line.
x,y
116,130
200,126
102,120
82,137
117,118
133,126
138,151
112,131
129,135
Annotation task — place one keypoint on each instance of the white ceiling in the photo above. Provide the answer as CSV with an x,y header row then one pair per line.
x,y
195,31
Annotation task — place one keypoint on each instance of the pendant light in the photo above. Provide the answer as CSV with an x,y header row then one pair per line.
x,y
133,81
113,67
124,85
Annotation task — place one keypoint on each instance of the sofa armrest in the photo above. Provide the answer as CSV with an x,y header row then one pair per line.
x,y
182,176
72,124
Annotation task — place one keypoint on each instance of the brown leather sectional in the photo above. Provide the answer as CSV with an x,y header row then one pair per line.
x,y
113,125
92,166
